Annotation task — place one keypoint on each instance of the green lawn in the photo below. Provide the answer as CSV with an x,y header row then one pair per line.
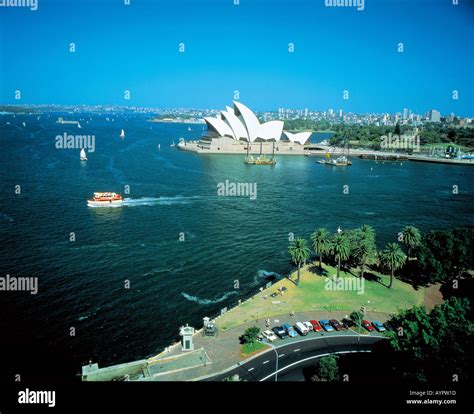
x,y
252,348
312,295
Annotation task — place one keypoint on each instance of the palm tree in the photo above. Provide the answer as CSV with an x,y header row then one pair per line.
x,y
299,252
365,247
321,243
340,248
392,257
411,238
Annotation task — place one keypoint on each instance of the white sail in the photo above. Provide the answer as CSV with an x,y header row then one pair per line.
x,y
83,155
122,134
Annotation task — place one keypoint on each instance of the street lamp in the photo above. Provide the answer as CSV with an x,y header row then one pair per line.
x,y
276,360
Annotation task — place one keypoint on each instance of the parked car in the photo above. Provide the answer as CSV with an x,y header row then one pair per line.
x,y
326,325
379,326
366,324
308,325
269,335
347,323
301,329
289,330
336,324
280,332
316,325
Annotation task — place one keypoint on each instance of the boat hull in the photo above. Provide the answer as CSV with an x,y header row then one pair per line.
x,y
108,203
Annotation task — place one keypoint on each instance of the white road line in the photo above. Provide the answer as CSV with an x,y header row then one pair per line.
x,y
307,359
297,350
281,355
266,362
250,369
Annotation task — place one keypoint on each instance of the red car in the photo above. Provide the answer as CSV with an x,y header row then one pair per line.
x,y
367,325
316,325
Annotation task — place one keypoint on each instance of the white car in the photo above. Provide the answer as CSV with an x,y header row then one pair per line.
x,y
301,329
309,325
269,335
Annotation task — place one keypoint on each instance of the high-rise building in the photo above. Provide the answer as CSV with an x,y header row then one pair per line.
x,y
434,115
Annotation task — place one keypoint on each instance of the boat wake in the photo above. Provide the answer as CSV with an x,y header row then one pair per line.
x,y
265,275
208,301
149,201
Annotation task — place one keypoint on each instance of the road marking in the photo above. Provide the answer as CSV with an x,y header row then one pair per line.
x,y
297,350
281,355
250,369
307,359
266,362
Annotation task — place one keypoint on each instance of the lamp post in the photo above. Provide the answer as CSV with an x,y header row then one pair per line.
x,y
276,360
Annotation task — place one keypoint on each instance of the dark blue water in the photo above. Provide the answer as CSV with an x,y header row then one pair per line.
x,y
174,282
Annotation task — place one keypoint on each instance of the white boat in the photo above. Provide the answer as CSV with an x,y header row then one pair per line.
x,y
107,199
189,128
24,124
83,155
122,134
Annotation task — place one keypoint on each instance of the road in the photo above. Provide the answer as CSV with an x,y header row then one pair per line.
x,y
296,355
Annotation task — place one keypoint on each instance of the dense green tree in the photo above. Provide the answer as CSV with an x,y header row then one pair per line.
x,y
363,247
299,253
392,258
445,255
327,369
434,346
250,335
321,242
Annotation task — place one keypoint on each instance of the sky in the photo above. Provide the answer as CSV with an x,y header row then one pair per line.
x,y
242,48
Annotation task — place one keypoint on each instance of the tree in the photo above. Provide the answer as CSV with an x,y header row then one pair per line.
x,y
431,346
363,247
340,248
445,255
327,369
357,317
411,238
392,258
299,253
321,243
250,335
397,130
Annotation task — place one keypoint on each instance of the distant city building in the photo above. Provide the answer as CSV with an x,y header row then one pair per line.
x,y
434,116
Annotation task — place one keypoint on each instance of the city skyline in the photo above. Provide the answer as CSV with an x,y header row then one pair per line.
x,y
307,58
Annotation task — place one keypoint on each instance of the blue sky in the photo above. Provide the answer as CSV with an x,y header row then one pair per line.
x,y
242,48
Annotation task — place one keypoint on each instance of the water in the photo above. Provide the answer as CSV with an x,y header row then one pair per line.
x,y
174,193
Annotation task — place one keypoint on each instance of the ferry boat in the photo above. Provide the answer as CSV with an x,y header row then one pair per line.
x,y
106,199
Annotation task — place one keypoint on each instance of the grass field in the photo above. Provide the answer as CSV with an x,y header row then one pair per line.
x,y
312,295
252,348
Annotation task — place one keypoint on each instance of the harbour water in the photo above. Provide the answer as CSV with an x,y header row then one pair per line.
x,y
173,196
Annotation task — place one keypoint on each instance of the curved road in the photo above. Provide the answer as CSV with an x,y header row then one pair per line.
x,y
296,355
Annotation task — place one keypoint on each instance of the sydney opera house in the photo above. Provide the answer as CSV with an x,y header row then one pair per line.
x,y
238,127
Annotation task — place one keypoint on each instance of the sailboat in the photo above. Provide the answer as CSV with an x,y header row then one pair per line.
x,y
122,134
83,155
189,128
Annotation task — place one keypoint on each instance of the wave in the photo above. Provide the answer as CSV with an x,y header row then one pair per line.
x,y
199,301
266,275
6,217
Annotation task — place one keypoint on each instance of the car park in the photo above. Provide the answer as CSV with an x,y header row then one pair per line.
x,y
301,329
269,335
316,325
326,325
367,325
280,332
336,324
289,330
378,326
